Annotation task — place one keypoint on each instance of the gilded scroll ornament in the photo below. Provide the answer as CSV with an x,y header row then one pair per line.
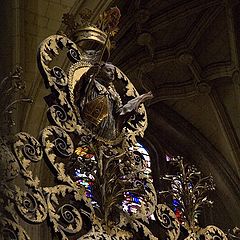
x,y
168,220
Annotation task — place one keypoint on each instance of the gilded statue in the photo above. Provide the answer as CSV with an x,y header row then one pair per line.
x,y
100,104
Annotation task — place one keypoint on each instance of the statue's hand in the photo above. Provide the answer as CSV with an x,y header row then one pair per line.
x,y
133,104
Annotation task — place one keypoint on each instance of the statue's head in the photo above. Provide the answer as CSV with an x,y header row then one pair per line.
x,y
107,73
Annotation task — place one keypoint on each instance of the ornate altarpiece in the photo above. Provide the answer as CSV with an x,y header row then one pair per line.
x,y
94,124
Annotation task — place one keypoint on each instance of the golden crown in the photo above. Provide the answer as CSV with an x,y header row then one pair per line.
x,y
83,32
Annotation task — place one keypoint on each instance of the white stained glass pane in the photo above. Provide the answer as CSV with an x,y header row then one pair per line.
x,y
143,151
168,159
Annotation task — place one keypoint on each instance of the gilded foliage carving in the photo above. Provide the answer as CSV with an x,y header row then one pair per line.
x,y
65,218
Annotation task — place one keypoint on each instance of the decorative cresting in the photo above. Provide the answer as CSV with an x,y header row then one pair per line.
x,y
12,91
84,32
11,88
188,193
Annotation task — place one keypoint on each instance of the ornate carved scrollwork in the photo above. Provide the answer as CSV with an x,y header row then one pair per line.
x,y
57,145
168,220
62,116
65,217
12,230
27,149
10,167
31,204
213,232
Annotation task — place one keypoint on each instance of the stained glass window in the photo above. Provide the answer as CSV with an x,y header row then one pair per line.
x,y
85,180
176,185
142,154
82,175
132,202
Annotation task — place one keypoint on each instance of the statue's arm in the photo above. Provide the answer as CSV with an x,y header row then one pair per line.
x,y
131,107
133,104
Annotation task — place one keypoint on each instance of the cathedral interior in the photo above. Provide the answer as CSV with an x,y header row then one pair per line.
x,y
186,52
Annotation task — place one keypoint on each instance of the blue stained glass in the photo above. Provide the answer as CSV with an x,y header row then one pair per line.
x,y
89,195
176,202
136,200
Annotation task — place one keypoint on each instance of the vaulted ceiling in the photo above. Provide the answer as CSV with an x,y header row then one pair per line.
x,y
185,52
